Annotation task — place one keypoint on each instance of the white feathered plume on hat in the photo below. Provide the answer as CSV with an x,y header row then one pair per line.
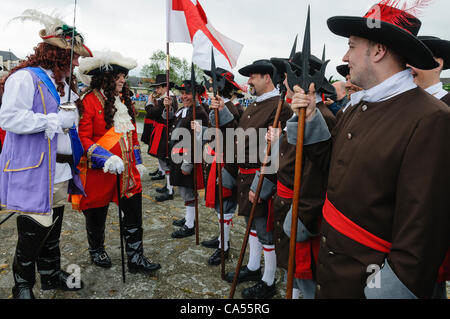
x,y
103,61
56,32
49,21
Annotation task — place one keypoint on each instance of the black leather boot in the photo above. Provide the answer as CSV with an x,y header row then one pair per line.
x,y
31,235
245,274
95,229
49,259
164,196
212,243
133,233
179,222
216,257
162,189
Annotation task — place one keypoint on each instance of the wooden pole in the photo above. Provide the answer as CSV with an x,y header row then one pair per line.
x,y
219,175
295,204
168,95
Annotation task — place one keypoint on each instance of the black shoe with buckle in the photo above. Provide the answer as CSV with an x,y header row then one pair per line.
x,y
162,189
260,291
216,258
179,222
245,274
163,197
154,173
183,232
212,243
158,176
101,258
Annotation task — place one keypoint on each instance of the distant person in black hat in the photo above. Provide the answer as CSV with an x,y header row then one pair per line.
x,y
344,70
229,116
341,98
258,115
385,228
430,81
182,174
155,132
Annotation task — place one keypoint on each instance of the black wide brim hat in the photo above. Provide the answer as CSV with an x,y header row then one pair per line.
x,y
314,62
440,48
390,26
186,86
343,70
229,78
258,67
161,80
112,68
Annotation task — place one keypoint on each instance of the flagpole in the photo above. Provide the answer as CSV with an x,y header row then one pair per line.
x,y
168,95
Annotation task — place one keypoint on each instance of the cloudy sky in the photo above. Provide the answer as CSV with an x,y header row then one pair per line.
x,y
266,28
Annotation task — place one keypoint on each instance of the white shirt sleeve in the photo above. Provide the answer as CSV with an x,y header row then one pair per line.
x,y
16,113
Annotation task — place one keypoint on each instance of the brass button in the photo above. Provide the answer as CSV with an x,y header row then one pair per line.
x,y
364,108
282,203
318,287
330,253
349,136
279,240
249,116
282,154
324,239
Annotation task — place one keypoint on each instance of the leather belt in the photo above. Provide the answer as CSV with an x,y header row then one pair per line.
x,y
61,158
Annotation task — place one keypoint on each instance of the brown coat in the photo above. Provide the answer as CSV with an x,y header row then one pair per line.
x,y
257,115
389,174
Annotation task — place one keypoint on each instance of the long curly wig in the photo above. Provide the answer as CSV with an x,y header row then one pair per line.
x,y
107,82
51,58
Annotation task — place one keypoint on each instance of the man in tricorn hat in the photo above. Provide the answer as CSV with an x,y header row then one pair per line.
x,y
155,133
259,115
41,152
430,81
385,220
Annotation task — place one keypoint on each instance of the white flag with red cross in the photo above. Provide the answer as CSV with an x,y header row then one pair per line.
x,y
187,22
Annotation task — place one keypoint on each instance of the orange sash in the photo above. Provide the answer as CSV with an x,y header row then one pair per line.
x,y
107,141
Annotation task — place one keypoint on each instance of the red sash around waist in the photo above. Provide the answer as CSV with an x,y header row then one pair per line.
x,y
284,192
149,121
248,171
156,137
210,200
348,228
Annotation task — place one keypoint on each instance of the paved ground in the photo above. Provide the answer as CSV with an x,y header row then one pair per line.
x,y
184,272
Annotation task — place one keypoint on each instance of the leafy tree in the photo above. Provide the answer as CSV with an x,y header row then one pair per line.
x,y
180,69
447,87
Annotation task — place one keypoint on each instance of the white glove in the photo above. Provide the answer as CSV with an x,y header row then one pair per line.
x,y
53,126
142,169
114,165
67,118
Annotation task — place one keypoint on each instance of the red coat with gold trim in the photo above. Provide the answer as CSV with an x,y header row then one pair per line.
x,y
101,187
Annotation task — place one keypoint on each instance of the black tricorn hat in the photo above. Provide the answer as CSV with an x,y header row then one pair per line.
x,y
161,80
258,67
343,70
440,48
393,27
186,86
